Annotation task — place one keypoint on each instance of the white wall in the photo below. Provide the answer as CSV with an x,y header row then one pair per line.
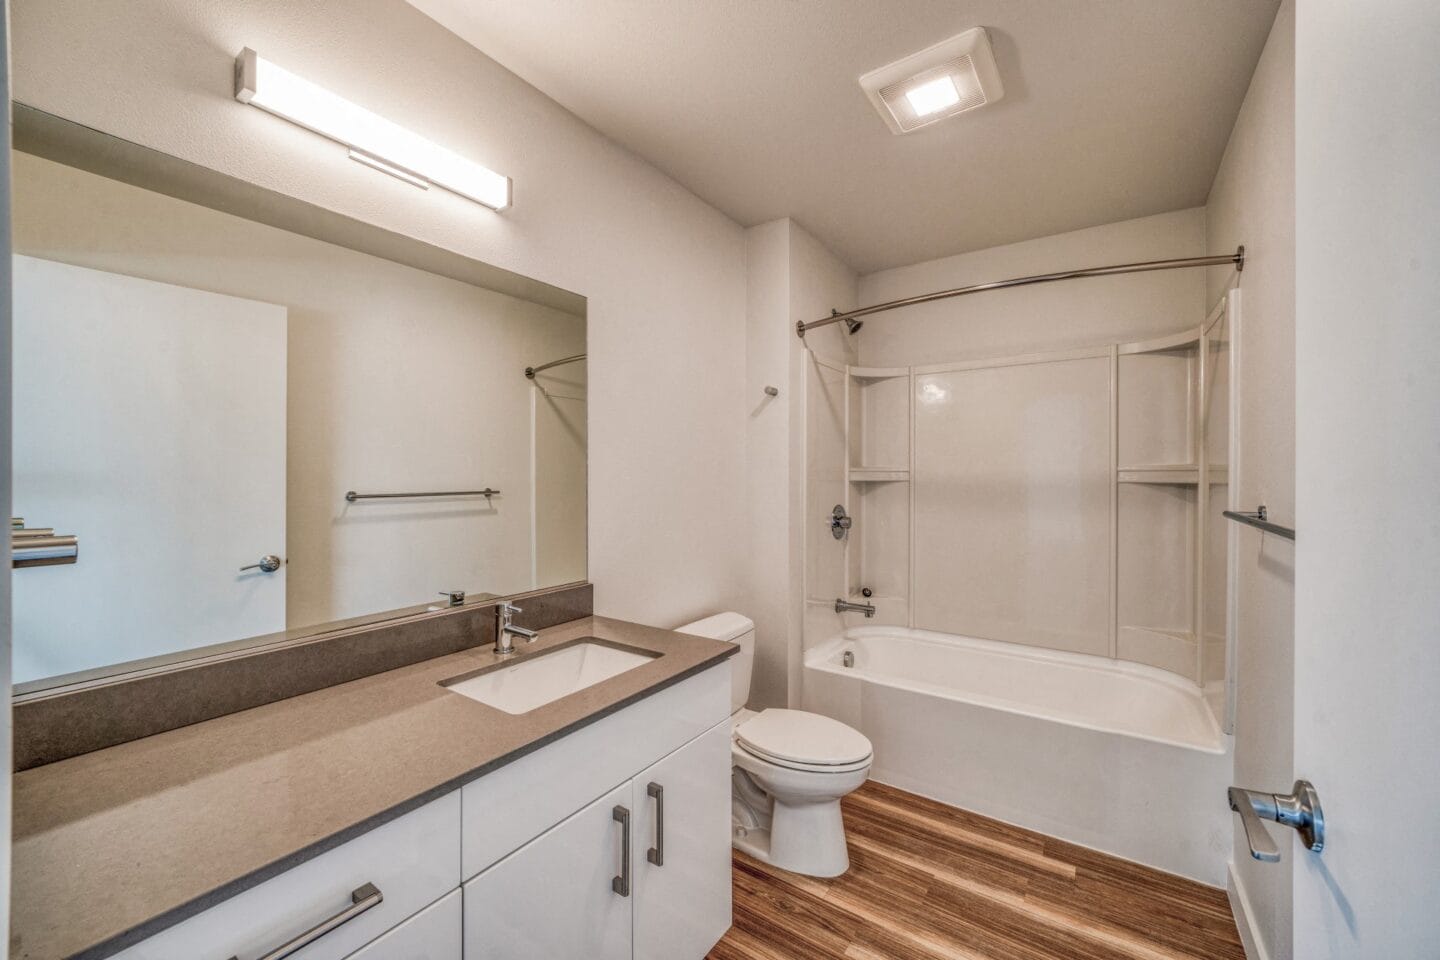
x,y
398,379
1253,202
1049,316
791,276
662,271
1367,467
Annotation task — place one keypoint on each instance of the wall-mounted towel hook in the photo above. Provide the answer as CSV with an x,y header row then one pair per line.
x,y
772,391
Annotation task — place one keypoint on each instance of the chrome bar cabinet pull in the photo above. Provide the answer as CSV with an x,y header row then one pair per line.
x,y
656,854
621,884
361,899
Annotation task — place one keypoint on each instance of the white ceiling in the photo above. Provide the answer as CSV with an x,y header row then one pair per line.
x,y
1113,108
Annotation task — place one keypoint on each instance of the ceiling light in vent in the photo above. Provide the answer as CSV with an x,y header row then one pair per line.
x,y
951,77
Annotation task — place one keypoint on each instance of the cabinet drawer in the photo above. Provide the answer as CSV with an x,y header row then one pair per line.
x,y
413,861
432,934
508,807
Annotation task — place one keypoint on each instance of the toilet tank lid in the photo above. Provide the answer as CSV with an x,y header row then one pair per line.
x,y
722,626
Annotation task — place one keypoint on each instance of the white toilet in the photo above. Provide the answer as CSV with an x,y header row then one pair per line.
x,y
790,769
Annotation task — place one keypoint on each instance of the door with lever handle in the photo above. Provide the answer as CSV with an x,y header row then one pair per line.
x,y
1299,809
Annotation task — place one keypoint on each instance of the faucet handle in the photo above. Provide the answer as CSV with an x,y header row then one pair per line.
x,y
507,608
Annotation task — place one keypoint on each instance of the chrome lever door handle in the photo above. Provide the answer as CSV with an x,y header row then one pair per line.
x,y
1245,803
621,884
656,854
268,564
361,899
1299,809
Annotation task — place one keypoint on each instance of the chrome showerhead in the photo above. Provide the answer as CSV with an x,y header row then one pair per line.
x,y
854,326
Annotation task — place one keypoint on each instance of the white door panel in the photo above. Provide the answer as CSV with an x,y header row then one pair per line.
x,y
150,423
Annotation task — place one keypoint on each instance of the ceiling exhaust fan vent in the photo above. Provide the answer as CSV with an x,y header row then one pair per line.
x,y
952,77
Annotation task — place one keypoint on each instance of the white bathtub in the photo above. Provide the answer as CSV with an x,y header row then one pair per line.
x,y
1117,756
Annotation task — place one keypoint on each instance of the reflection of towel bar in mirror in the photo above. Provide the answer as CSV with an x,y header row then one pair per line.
x,y
351,496
531,371
39,546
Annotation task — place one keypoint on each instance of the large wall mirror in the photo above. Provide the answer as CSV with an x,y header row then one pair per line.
x,y
259,418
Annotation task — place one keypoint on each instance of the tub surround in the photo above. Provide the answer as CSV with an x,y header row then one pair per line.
x,y
150,832
69,721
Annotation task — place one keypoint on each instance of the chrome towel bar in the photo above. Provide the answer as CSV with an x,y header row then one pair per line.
x,y
1260,520
40,546
351,496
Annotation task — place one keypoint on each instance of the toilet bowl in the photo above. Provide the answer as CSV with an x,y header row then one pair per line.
x,y
789,769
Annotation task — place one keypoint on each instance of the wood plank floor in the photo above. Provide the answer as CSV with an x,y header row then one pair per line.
x,y
930,882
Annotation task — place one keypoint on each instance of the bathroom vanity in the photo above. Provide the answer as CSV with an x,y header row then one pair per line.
x,y
396,817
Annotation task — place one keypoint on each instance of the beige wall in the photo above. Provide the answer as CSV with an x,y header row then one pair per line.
x,y
1253,202
398,380
791,276
1048,316
663,272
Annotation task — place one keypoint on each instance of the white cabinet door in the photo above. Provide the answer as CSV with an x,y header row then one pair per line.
x,y
556,898
432,934
682,867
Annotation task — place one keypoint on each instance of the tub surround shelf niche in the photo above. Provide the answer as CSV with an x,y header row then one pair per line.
x,y
1169,473
879,474
879,373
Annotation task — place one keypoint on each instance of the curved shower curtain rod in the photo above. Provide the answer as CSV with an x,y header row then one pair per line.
x,y
1237,258
531,371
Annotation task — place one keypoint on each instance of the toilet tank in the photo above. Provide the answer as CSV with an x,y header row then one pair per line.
x,y
732,628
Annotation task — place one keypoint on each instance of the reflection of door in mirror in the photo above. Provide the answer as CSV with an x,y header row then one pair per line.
x,y
118,383
558,448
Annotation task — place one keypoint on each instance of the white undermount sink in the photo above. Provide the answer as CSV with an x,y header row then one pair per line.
x,y
534,681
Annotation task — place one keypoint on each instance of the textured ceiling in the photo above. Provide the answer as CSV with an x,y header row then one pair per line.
x,y
1113,108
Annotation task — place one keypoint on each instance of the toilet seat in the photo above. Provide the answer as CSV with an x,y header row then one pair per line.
x,y
798,740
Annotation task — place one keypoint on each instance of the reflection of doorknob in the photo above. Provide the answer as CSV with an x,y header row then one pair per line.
x,y
268,564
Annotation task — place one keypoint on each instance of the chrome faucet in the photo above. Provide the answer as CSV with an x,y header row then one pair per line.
x,y
505,630
866,608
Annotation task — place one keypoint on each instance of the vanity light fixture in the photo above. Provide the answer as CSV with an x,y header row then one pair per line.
x,y
951,77
373,140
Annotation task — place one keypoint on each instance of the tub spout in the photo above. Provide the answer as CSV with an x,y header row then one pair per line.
x,y
866,608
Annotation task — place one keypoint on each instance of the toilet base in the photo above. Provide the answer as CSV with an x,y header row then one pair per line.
x,y
811,840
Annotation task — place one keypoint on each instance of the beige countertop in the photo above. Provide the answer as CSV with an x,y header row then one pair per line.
x,y
116,845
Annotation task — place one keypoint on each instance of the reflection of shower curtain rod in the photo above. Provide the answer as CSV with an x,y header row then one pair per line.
x,y
1237,258
531,371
